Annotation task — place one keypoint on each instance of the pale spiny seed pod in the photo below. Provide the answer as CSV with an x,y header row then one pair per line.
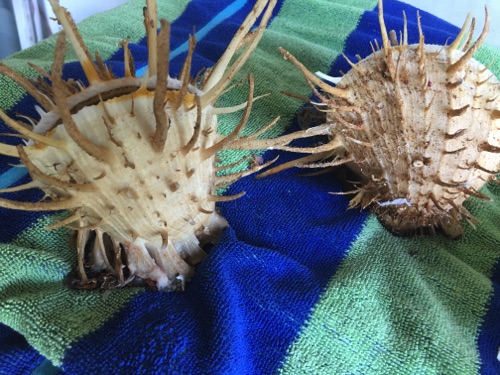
x,y
133,158
419,124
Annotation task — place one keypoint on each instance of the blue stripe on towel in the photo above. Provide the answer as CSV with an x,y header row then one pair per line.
x,y
16,350
226,13
359,40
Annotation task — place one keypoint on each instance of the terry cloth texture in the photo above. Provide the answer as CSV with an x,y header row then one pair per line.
x,y
298,284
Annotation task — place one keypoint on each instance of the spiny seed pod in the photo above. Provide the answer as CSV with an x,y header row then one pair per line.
x,y
419,124
133,158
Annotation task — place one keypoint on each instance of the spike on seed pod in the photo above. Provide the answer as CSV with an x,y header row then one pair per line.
x,y
419,124
135,156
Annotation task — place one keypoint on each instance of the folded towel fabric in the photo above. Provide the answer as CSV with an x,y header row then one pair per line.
x,y
298,284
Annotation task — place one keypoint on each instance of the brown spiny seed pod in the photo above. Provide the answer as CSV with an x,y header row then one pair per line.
x,y
419,124
132,158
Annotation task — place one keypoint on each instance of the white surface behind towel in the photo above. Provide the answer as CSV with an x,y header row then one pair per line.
x,y
455,11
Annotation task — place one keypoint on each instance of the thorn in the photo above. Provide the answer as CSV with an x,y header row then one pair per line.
x,y
46,104
294,163
454,45
458,111
393,37
27,186
459,64
58,205
383,29
76,216
161,117
76,41
217,198
217,73
127,58
212,150
230,178
150,26
28,133
218,85
405,29
98,152
354,66
468,43
196,131
8,150
343,93
186,71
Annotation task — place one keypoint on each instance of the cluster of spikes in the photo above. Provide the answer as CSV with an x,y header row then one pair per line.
x,y
133,159
417,124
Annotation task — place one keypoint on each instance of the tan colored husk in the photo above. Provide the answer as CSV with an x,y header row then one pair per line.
x,y
132,158
419,124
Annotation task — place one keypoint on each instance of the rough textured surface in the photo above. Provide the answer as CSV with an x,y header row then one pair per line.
x,y
419,125
250,303
133,158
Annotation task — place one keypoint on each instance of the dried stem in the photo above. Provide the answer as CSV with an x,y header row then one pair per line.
x,y
162,121
197,127
60,92
150,26
8,150
46,104
208,152
452,69
223,62
342,93
76,41
20,128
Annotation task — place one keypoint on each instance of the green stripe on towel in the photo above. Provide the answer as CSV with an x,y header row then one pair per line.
x,y
404,305
33,299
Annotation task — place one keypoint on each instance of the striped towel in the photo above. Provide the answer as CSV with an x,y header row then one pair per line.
x,y
298,284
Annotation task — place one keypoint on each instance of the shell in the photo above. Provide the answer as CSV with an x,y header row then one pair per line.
x,y
133,158
418,124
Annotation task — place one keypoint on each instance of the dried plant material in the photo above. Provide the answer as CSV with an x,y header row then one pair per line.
x,y
419,124
133,158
